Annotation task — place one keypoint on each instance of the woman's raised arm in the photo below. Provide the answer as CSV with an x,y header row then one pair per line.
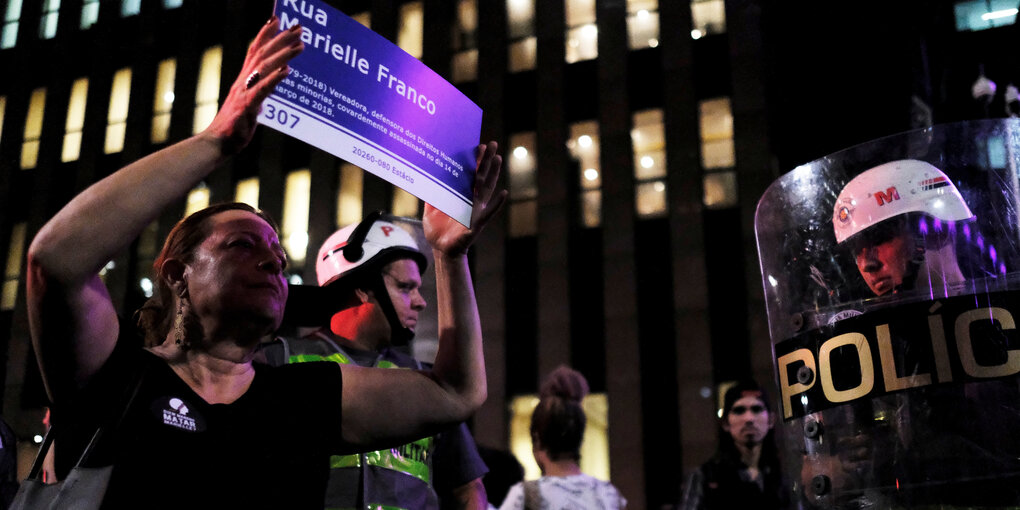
x,y
379,405
74,326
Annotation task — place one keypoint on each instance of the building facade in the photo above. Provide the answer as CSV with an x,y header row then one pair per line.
x,y
637,137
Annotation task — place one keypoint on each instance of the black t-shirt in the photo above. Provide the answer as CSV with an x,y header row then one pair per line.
x,y
174,450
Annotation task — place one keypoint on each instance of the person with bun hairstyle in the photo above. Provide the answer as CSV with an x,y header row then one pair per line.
x,y
557,429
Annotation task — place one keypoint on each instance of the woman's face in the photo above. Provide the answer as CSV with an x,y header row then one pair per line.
x,y
236,276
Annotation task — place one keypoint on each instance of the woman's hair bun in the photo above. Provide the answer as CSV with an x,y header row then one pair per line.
x,y
566,383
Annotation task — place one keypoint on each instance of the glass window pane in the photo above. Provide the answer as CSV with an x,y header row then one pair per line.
x,y
720,189
9,37
3,107
466,29
411,29
207,93
522,166
163,101
75,120
584,147
348,207
582,43
13,12
172,4
33,128
649,143
520,18
636,6
404,204
465,66
591,208
984,14
15,252
295,214
72,147
522,55
650,199
89,13
580,12
643,29
36,108
247,191
116,116
76,105
716,125
708,17
365,18
523,218
198,199
129,7
48,25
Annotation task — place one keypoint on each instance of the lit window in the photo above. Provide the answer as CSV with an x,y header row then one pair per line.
x,y
163,102
198,199
15,251
582,34
716,122
9,36
33,129
348,198
649,143
643,23
48,20
129,7
75,120
207,94
465,42
116,117
523,187
172,4
365,18
295,214
650,199
247,191
584,148
411,29
522,48
707,17
649,146
89,13
3,107
404,204
720,189
594,448
984,14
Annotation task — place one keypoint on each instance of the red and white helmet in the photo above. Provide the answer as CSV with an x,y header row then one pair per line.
x,y
892,189
358,245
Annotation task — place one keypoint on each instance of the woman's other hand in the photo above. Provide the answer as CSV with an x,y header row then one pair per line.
x,y
268,55
447,235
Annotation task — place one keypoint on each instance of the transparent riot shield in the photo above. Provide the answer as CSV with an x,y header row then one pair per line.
x,y
894,323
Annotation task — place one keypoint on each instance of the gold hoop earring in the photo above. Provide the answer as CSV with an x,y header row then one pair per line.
x,y
179,332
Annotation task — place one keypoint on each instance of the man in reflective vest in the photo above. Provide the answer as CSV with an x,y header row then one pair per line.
x,y
375,267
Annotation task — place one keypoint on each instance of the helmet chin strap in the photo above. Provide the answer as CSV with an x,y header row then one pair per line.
x,y
400,335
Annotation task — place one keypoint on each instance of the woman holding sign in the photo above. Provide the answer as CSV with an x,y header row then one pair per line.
x,y
192,421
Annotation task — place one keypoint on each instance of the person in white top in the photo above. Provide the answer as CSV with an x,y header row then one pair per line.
x,y
557,429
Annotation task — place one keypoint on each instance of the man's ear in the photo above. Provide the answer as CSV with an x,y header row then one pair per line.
x,y
173,270
362,295
772,419
724,423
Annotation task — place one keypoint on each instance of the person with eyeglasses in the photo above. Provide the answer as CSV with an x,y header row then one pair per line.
x,y
744,472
